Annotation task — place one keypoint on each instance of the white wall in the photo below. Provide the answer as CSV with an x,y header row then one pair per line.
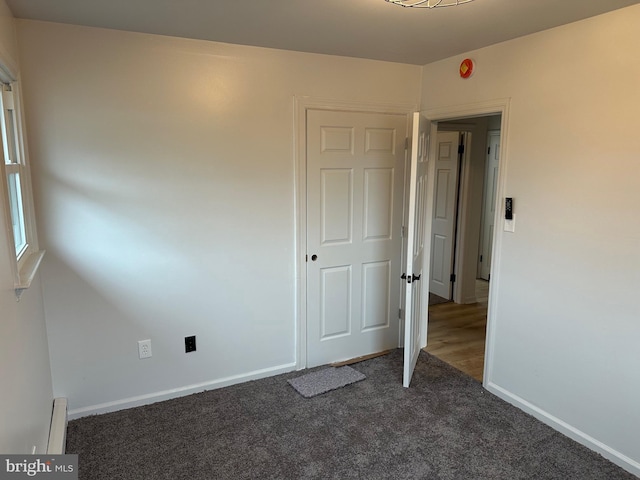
x,y
165,184
567,319
25,377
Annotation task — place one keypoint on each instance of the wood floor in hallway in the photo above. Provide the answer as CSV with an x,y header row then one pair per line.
x,y
457,332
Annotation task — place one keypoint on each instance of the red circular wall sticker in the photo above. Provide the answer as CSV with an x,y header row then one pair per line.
x,y
466,68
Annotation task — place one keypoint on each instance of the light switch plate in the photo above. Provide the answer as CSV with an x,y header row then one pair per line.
x,y
510,225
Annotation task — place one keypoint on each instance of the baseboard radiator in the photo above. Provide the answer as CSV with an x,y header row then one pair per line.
x,y
58,429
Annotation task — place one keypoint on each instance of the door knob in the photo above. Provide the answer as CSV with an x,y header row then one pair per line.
x,y
314,258
411,278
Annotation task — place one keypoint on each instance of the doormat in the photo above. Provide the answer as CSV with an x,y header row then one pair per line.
x,y
325,380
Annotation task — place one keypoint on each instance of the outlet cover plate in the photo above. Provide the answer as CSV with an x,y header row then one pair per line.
x,y
144,349
190,344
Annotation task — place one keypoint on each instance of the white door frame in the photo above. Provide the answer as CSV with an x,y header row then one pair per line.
x,y
462,214
481,109
301,105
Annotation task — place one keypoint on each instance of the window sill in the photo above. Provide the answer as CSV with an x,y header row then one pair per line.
x,y
28,272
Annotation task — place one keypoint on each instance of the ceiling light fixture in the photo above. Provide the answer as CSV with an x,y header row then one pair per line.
x,y
428,3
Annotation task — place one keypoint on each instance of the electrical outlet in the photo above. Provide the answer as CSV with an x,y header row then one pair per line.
x,y
190,344
144,348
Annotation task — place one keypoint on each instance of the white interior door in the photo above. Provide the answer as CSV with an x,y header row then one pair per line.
x,y
489,204
444,213
416,293
355,176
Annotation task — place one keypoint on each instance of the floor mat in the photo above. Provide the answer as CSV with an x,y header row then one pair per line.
x,y
325,380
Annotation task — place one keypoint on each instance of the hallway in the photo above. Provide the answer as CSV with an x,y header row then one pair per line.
x,y
457,332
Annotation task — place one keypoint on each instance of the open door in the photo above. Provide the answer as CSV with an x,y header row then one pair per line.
x,y
415,296
489,204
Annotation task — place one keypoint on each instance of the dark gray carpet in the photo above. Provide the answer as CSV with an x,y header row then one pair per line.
x,y
445,427
325,380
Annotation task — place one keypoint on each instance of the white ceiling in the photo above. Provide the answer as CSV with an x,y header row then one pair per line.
x,y
355,28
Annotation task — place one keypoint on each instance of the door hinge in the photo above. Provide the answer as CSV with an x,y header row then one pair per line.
x,y
453,277
406,143
461,148
489,151
480,258
306,258
403,231
400,314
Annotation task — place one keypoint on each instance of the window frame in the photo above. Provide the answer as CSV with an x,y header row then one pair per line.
x,y
25,262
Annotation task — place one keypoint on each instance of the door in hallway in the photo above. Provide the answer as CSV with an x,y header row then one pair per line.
x,y
489,204
444,213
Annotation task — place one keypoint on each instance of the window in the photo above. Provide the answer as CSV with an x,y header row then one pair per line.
x,y
17,189
13,167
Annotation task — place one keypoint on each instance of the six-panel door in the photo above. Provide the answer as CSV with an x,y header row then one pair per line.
x,y
355,178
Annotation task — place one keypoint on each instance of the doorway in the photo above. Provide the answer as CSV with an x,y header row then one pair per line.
x,y
433,117
458,314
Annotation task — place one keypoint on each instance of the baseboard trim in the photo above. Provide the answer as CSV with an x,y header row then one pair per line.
x,y
147,399
58,427
579,436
